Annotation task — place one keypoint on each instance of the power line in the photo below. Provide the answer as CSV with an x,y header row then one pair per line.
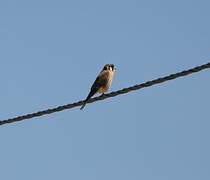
x,y
112,94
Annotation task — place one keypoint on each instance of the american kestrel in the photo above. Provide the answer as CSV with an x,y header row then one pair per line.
x,y
102,82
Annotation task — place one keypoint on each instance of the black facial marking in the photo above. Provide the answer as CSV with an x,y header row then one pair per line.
x,y
105,67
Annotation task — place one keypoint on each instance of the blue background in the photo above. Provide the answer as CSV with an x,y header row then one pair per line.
x,y
50,53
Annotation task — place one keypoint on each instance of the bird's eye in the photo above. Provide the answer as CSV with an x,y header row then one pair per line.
x,y
112,67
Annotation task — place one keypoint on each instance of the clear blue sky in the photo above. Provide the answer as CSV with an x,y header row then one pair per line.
x,y
51,52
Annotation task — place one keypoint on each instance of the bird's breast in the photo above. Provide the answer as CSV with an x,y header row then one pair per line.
x,y
106,86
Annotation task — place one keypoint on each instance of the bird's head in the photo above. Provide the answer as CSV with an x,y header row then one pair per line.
x,y
109,67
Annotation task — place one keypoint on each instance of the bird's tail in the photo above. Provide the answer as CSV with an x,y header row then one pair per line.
x,y
85,102
92,92
82,107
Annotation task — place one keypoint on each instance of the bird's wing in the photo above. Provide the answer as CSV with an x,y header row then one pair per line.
x,y
101,80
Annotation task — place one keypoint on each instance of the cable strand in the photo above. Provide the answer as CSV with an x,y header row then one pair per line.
x,y
109,95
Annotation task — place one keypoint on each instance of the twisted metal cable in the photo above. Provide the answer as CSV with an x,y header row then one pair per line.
x,y
112,94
